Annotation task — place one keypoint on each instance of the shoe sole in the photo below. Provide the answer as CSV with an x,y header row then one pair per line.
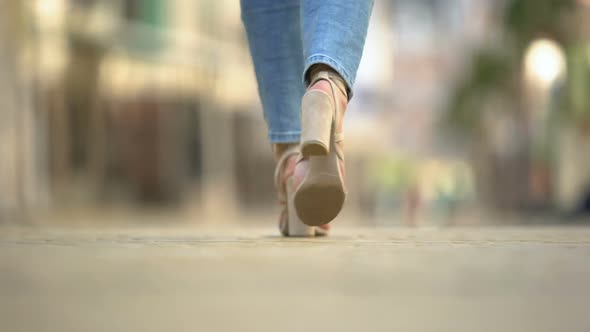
x,y
320,196
295,227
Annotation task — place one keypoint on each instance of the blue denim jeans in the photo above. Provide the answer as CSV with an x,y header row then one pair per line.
x,y
287,37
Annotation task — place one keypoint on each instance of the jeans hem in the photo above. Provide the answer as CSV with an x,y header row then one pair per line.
x,y
339,68
284,137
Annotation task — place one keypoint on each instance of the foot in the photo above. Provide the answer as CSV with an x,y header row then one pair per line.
x,y
287,157
311,210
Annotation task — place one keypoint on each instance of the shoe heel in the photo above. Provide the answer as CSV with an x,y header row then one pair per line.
x,y
317,114
295,227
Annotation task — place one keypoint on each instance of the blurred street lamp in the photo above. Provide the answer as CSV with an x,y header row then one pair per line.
x,y
544,65
544,62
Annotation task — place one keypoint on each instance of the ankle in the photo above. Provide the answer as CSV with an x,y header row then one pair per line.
x,y
317,68
280,148
325,86
321,85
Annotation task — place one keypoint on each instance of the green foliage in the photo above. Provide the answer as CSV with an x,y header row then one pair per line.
x,y
396,173
525,20
492,72
497,71
576,99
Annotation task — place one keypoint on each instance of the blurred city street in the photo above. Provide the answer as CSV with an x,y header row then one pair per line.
x,y
136,172
227,278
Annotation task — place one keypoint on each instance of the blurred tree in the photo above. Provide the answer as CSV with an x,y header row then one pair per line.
x,y
496,73
496,70
525,20
575,99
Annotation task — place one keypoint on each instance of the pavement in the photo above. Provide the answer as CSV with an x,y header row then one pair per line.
x,y
248,279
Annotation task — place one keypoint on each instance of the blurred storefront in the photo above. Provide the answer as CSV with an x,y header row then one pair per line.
x,y
132,99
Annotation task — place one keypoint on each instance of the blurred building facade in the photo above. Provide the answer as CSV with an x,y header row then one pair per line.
x,y
132,98
23,175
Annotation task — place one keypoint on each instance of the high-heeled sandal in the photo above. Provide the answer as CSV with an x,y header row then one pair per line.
x,y
289,222
321,194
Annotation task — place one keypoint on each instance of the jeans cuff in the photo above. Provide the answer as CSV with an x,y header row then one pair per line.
x,y
284,136
324,59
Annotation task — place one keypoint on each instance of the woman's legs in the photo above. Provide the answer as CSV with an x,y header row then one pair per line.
x,y
319,39
274,34
334,34
287,38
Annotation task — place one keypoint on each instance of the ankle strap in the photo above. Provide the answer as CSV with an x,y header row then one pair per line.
x,y
332,78
280,165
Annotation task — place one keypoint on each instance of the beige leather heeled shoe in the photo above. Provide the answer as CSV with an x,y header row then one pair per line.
x,y
319,197
289,222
